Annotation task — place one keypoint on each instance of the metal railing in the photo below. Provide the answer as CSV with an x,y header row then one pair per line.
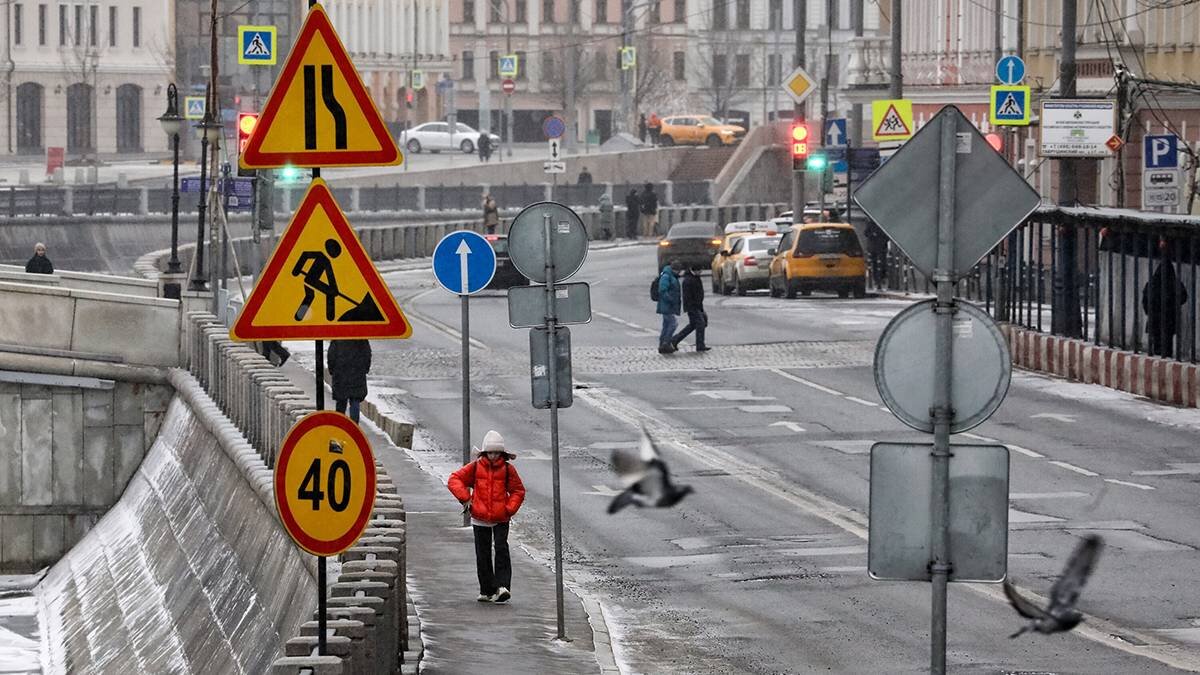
x,y
1116,278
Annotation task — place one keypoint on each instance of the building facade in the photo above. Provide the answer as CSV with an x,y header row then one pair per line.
x,y
86,76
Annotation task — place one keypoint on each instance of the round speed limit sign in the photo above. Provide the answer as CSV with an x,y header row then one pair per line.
x,y
325,483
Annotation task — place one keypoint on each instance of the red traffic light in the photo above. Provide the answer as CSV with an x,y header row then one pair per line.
x,y
246,124
799,132
996,141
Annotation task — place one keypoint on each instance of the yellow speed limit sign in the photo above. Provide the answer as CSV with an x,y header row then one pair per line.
x,y
325,483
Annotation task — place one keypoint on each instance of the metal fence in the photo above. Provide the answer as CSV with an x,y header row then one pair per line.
x,y
1115,278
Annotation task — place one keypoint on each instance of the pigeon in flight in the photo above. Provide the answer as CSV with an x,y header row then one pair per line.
x,y
1061,615
646,478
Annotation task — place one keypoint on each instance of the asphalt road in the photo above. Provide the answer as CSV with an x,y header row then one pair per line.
x,y
763,569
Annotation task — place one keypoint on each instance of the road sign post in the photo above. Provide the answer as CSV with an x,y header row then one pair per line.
x,y
1160,172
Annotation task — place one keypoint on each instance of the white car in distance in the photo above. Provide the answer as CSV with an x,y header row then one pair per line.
x,y
437,136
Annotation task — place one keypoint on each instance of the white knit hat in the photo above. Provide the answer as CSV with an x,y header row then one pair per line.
x,y
494,442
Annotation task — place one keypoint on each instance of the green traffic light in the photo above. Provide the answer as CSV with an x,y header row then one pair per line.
x,y
816,163
289,174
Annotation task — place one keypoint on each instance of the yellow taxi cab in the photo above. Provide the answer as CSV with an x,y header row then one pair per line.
x,y
819,256
698,130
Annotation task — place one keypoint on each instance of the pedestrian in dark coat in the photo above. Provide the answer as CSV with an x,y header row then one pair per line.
x,y
349,362
491,489
39,263
669,302
642,127
649,209
633,208
693,305
1162,297
484,144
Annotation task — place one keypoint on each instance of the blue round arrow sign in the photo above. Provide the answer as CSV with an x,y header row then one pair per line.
x,y
464,262
1010,70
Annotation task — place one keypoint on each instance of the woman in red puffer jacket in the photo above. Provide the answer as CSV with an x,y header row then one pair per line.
x,y
492,490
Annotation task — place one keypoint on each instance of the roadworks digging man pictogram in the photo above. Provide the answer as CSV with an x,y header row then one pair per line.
x,y
318,277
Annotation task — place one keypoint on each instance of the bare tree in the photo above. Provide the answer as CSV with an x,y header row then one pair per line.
x,y
715,52
655,87
80,58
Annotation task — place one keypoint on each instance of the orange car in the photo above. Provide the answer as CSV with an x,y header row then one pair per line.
x,y
819,256
698,130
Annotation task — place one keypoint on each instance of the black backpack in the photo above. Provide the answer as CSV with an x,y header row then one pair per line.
x,y
654,288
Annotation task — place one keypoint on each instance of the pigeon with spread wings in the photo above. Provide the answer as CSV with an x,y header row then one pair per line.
x,y
1061,615
646,478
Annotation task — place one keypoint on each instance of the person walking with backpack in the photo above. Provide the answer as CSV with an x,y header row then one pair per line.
x,y
667,294
492,490
693,305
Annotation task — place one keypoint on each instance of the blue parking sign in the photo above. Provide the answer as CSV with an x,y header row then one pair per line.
x,y
1160,152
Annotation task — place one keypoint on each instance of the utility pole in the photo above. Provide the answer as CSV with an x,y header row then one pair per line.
x,y
825,102
1066,319
508,120
626,84
800,19
854,132
896,87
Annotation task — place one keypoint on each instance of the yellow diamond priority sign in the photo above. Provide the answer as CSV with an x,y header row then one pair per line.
x,y
799,85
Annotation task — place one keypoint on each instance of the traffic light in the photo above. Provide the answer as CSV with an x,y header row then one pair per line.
x,y
288,174
996,141
799,145
816,162
408,99
246,121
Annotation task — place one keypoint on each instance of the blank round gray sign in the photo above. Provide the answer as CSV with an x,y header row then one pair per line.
x,y
527,241
904,362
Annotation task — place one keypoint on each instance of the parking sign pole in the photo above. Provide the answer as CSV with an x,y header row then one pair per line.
x,y
551,335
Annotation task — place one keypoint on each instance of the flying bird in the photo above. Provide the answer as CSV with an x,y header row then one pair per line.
x,y
1061,615
646,478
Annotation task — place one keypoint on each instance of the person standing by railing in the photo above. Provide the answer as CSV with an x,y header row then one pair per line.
x,y
1162,297
39,263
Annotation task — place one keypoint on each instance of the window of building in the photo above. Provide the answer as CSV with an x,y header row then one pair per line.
x,y
494,15
494,66
833,71
93,24
834,14
601,11
137,26
680,11
42,25
547,11
679,65
574,10
522,11
743,13
522,63
720,67
547,73
112,26
18,19
78,25
656,11
742,70
774,69
775,11
468,65
62,25
468,11
720,15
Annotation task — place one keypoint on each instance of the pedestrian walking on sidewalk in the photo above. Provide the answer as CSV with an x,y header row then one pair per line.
x,y
668,307
1162,297
349,362
491,214
649,210
693,305
39,263
492,490
633,209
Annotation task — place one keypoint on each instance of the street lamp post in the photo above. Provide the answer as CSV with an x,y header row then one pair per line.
x,y
172,123
208,131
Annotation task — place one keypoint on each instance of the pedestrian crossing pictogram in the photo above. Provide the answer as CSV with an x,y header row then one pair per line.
x,y
1009,105
319,113
257,45
320,284
893,120
193,107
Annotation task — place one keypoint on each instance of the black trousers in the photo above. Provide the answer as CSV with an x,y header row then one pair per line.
x,y
491,578
697,321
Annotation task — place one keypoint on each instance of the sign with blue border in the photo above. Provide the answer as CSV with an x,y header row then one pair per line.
x,y
464,262
1009,106
1010,70
1160,152
257,46
193,107
508,65
835,132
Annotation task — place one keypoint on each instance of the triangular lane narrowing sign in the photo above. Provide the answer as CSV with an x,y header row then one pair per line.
x,y
319,283
319,113
892,124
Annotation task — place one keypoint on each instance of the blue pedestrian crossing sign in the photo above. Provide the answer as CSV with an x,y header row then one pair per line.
x,y
507,66
257,45
835,132
193,107
464,262
1009,106
1010,70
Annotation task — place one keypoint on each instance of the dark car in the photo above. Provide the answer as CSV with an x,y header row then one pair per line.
x,y
691,243
506,275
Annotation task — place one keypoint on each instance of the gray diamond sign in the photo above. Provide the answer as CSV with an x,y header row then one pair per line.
x,y
990,198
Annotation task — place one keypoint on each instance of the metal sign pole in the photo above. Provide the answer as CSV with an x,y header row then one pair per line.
x,y
466,386
943,414
320,375
551,335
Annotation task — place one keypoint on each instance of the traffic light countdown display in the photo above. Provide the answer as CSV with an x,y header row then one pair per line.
x,y
800,135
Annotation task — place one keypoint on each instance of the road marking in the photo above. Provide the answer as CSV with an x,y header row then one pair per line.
x,y
1065,419
977,437
1181,469
860,401
1139,486
762,409
731,395
807,383
603,491
792,426
1070,494
1026,451
623,322
1072,467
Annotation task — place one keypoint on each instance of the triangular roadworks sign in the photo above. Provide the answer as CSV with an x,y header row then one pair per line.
x,y
893,120
319,283
319,113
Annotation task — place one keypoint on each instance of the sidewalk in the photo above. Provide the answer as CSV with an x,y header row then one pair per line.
x,y
459,634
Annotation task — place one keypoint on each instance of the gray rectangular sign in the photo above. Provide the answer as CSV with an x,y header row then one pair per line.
x,y
527,305
539,367
898,546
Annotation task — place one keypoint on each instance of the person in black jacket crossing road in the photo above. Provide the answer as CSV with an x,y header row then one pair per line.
x,y
693,304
